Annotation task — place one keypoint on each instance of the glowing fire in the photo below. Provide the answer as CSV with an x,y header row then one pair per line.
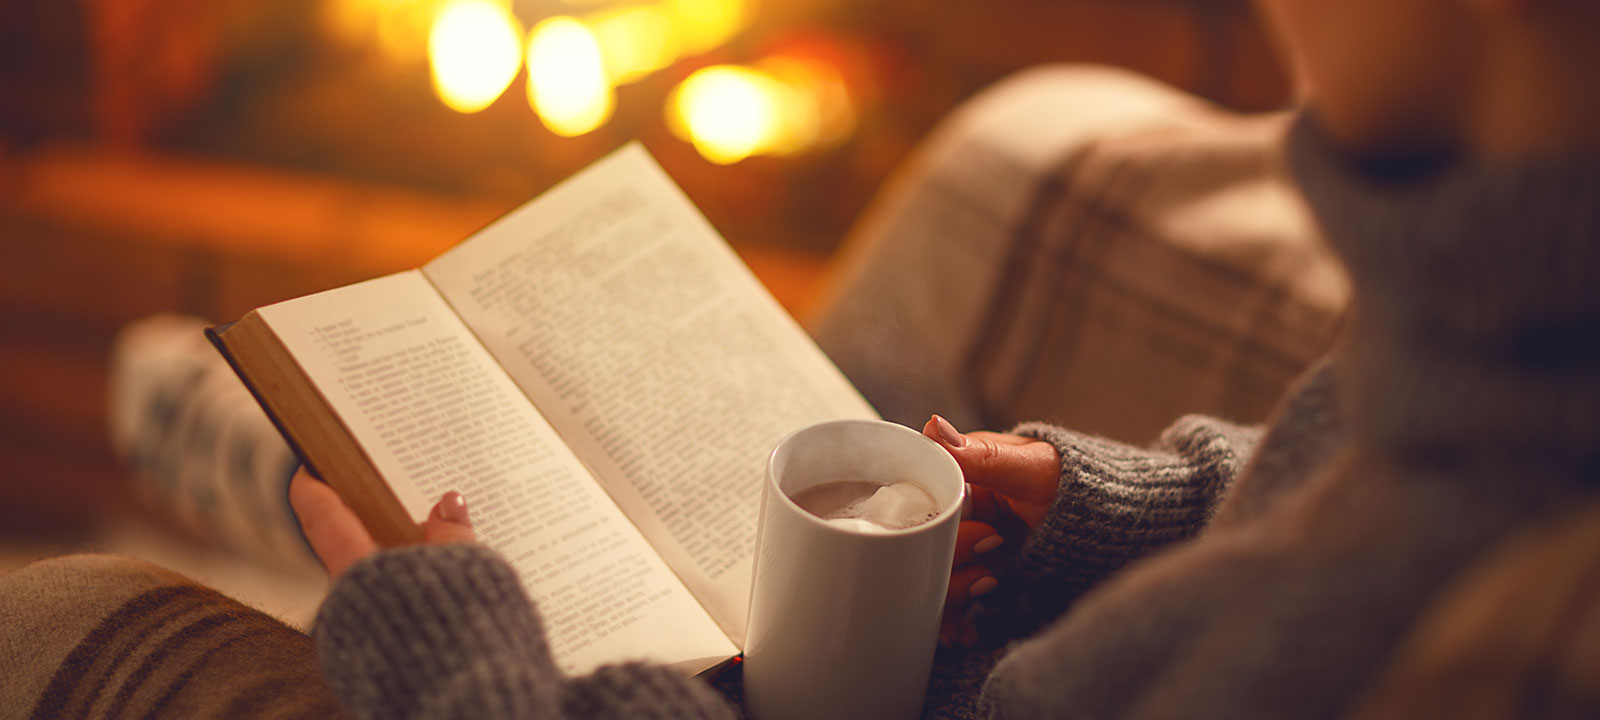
x,y
474,49
567,82
728,112
778,107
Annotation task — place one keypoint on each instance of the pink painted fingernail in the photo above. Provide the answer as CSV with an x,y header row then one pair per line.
x,y
982,586
453,508
988,543
947,431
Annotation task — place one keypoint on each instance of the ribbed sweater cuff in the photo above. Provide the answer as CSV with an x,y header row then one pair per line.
x,y
1117,503
435,631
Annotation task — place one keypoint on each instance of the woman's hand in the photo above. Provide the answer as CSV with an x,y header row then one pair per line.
x,y
340,539
1012,481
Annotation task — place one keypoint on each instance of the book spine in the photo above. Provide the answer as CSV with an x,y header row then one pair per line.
x,y
214,334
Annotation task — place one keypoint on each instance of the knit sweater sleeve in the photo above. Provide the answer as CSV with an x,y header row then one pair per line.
x,y
1117,503
448,632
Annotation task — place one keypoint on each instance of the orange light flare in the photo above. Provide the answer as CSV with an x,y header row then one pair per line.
x,y
634,41
474,52
395,30
568,86
781,105
702,25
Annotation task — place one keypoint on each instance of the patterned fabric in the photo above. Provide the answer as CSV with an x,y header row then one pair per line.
x,y
97,636
1085,247
200,450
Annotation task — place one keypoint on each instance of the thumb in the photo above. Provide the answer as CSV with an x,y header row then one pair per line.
x,y
333,531
1021,468
448,522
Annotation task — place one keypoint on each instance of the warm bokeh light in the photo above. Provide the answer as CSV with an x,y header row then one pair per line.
x,y
396,29
567,83
728,112
817,110
474,50
635,41
702,25
789,103
779,107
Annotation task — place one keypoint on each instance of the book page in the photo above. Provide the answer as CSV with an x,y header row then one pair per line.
x,y
655,353
435,413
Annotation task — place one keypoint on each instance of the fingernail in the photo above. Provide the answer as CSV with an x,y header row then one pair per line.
x,y
949,433
453,508
982,586
988,543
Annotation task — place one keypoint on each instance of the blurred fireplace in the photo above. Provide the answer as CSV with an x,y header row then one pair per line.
x,y
343,87
208,156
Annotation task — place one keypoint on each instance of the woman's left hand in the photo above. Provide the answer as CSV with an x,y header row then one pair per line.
x,y
1012,482
339,538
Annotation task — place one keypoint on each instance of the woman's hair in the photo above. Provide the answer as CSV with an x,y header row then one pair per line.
x,y
1518,636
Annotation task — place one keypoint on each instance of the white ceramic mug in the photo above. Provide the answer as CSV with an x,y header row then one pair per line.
x,y
843,623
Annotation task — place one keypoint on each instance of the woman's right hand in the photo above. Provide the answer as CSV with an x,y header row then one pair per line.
x,y
1012,481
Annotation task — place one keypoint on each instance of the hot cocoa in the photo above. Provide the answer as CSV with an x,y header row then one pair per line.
x,y
869,506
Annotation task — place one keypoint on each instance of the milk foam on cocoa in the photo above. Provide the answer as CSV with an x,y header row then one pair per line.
x,y
869,507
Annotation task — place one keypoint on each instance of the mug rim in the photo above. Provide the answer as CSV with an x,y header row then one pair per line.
x,y
954,508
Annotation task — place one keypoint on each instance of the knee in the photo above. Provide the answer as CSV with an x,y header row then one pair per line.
x,y
84,582
50,606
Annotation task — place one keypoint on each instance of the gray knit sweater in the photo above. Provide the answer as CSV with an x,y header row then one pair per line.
x,y
1223,573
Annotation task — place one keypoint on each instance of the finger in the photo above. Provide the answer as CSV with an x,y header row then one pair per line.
x,y
985,505
333,531
448,522
957,630
1028,471
1001,438
941,431
932,430
973,539
969,582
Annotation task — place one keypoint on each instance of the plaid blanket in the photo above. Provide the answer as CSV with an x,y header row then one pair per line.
x,y
98,636
1085,247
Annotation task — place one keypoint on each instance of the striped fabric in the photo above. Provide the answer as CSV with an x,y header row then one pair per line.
x,y
91,636
199,450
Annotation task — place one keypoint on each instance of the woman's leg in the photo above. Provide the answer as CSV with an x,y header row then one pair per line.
x,y
104,636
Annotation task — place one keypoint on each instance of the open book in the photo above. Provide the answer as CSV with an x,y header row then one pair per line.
x,y
601,377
